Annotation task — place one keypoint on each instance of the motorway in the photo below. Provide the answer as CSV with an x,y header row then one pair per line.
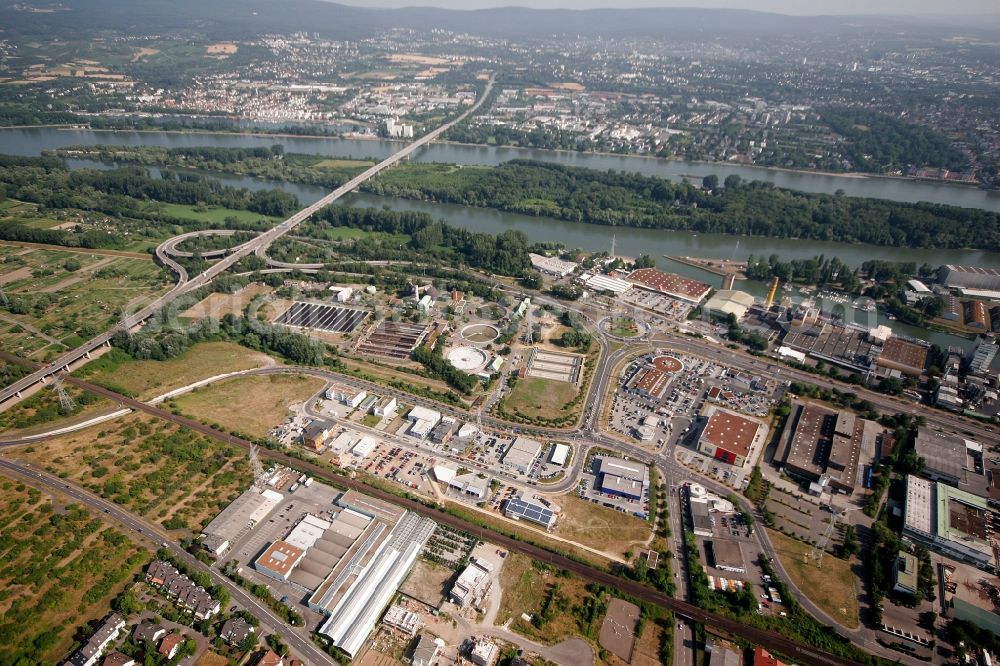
x,y
185,284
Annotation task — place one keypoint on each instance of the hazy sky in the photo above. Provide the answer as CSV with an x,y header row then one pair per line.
x,y
781,6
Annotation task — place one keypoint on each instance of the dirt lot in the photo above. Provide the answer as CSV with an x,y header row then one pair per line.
x,y
831,587
222,48
428,582
218,305
600,527
252,405
618,630
525,587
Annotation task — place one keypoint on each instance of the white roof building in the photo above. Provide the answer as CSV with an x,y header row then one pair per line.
x,y
559,454
364,446
604,283
522,453
551,265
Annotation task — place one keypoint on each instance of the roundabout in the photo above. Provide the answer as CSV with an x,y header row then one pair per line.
x,y
467,359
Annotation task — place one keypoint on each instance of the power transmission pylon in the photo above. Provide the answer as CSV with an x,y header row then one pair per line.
x,y
65,401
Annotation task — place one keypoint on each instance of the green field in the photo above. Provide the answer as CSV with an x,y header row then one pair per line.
x,y
147,379
534,396
60,566
343,164
212,214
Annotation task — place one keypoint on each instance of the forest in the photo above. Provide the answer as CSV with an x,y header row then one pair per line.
x,y
877,142
753,208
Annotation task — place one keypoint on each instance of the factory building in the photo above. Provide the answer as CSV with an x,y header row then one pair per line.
x,y
971,277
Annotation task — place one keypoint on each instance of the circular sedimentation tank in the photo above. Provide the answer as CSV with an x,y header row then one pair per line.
x,y
480,333
467,359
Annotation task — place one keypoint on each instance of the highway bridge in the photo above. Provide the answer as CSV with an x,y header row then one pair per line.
x,y
72,359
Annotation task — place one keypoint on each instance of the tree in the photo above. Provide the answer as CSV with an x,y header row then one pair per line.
x,y
733,182
710,182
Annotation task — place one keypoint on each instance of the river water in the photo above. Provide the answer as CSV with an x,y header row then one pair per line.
x,y
629,241
31,141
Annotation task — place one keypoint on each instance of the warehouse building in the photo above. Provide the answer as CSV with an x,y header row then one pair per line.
x,y
551,265
823,447
972,277
522,453
519,508
727,302
621,477
365,579
600,282
682,288
242,514
955,523
730,437
559,455
727,555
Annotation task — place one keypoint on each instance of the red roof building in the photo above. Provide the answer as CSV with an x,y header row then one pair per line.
x,y
670,284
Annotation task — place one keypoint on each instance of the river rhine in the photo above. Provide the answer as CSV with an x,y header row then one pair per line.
x,y
629,241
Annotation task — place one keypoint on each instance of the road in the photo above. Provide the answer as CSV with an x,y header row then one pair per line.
x,y
768,639
298,640
13,393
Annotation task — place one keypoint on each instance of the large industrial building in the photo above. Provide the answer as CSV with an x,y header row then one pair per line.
x,y
621,477
955,523
242,514
823,447
951,459
551,265
727,302
730,437
374,552
970,277
685,289
522,453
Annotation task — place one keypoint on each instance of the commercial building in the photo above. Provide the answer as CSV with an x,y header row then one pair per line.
x,y
981,358
519,508
727,555
278,560
953,522
905,574
972,277
823,446
443,431
682,288
730,437
624,478
551,265
385,407
364,446
701,518
559,455
472,584
600,282
422,421
91,651
315,434
522,454
346,395
727,302
649,382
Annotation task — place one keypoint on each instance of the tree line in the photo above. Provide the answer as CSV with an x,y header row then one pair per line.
x,y
753,208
